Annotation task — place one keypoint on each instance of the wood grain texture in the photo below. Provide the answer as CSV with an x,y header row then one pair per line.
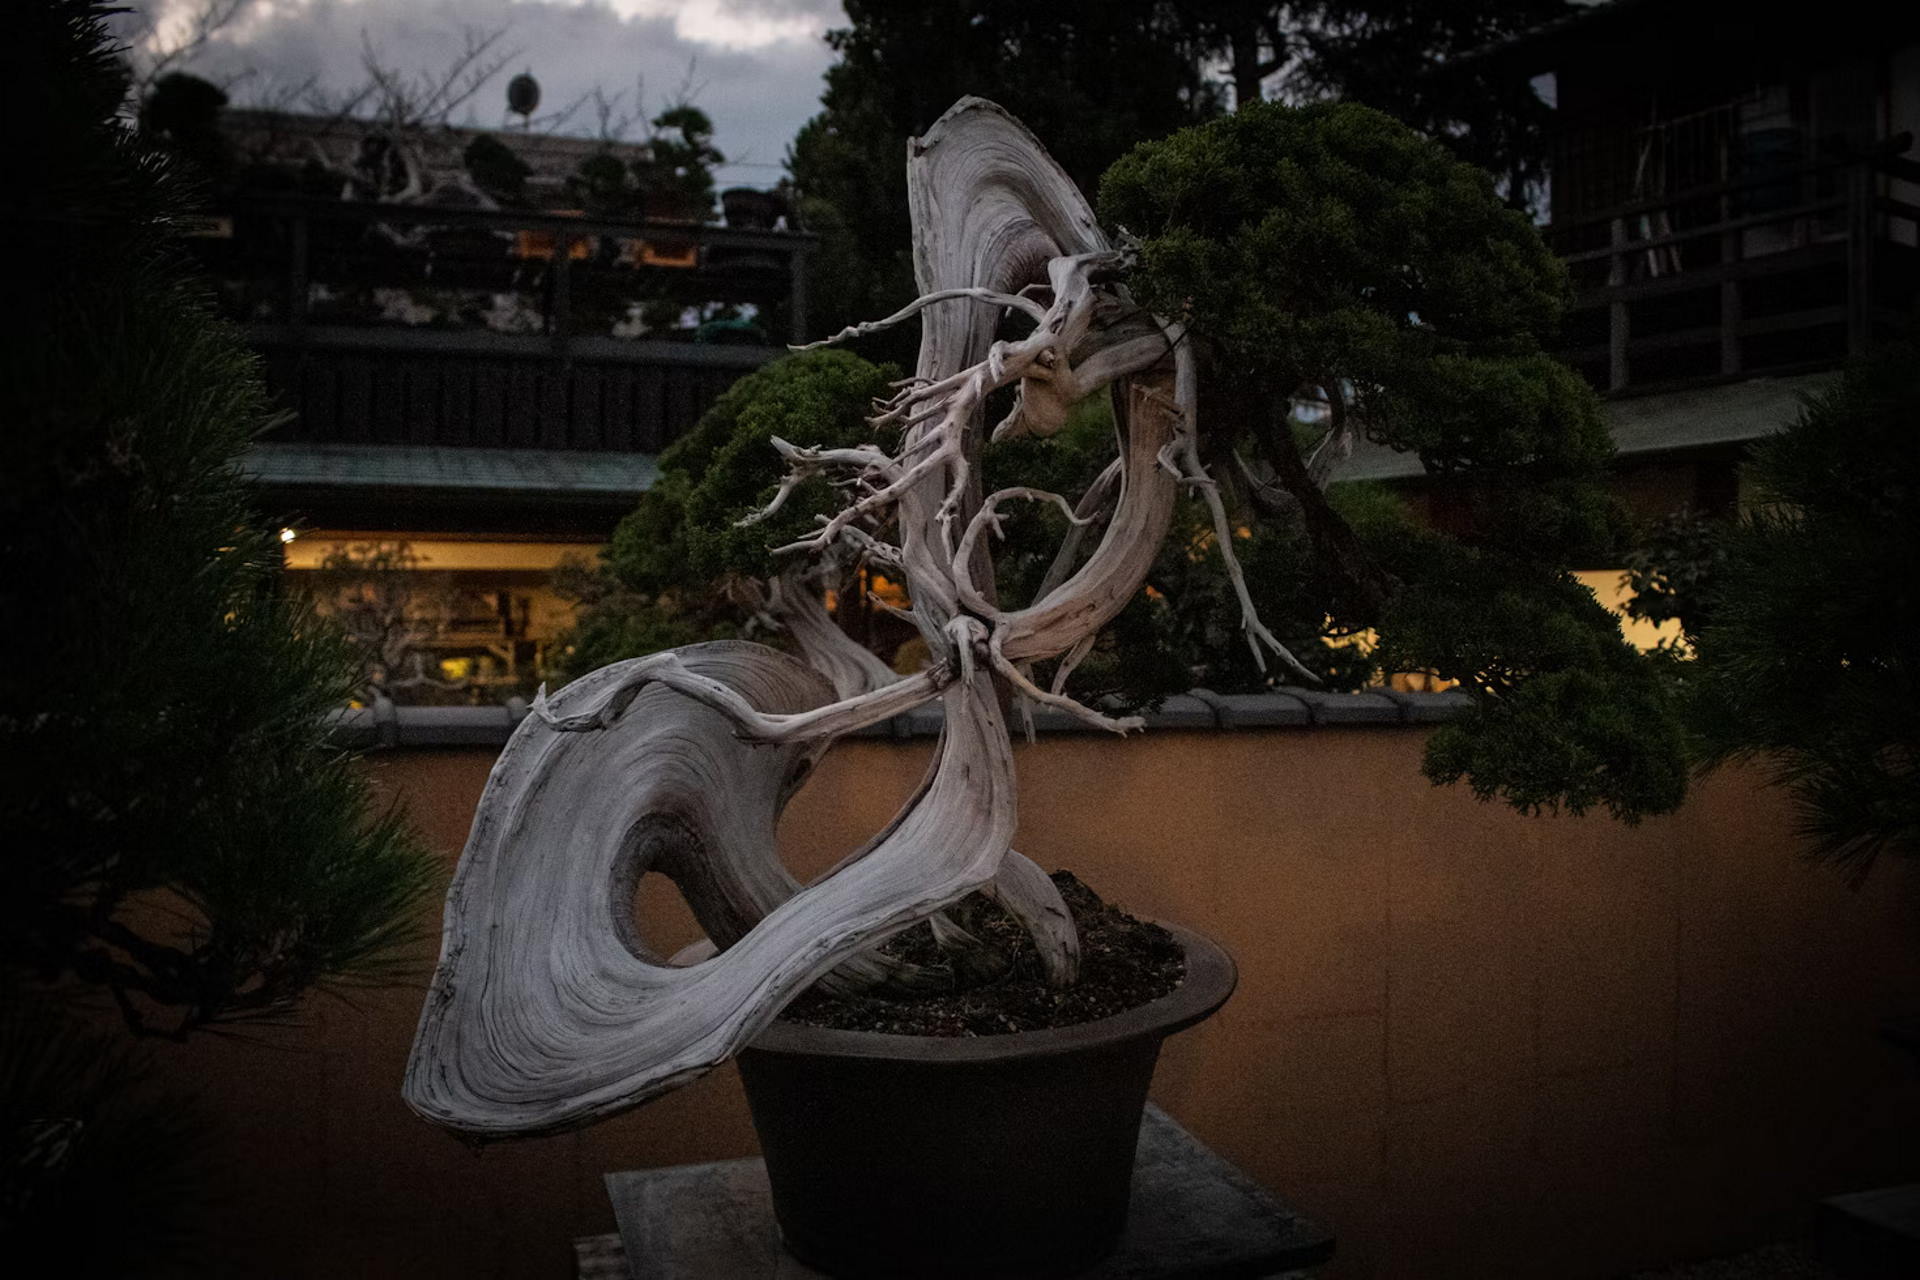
x,y
548,1011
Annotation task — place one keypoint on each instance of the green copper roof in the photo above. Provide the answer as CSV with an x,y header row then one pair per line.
x,y
1641,425
1731,413
381,466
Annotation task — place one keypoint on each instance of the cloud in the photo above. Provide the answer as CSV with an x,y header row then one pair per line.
x,y
738,24
754,66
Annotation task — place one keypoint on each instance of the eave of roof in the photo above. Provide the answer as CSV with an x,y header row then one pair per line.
x,y
1536,44
400,469
1648,426
1641,426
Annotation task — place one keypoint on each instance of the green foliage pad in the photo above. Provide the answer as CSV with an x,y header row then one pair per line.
x,y
1330,251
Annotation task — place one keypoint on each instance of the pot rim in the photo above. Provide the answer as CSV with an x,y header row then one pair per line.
x,y
1210,978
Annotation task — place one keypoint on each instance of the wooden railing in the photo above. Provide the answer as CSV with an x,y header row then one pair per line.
x,y
1784,270
465,327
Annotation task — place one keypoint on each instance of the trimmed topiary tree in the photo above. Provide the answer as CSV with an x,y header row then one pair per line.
x,y
1332,254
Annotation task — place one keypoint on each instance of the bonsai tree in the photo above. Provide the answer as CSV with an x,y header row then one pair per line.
x,y
1276,253
388,607
1315,249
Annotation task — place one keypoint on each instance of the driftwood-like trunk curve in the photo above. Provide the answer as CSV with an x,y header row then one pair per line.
x,y
548,1011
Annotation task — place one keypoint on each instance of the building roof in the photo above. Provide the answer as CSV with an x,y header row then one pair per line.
x,y
401,469
552,157
1605,31
1642,426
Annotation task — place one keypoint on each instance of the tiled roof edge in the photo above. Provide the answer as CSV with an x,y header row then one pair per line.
x,y
1199,711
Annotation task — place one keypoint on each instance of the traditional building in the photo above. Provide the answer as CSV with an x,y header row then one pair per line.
x,y
488,386
1737,203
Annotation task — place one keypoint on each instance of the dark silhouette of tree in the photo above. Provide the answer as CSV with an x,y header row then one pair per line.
x,y
163,708
1091,77
1803,615
182,114
496,170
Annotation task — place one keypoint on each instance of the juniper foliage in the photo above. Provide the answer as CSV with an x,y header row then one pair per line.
x,y
1324,248
665,578
1332,249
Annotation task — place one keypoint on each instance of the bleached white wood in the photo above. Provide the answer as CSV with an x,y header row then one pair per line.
x,y
852,669
547,1010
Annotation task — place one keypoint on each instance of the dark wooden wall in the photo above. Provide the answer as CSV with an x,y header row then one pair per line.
x,y
490,391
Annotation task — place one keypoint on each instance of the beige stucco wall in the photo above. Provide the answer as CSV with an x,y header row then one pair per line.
x,y
1475,1044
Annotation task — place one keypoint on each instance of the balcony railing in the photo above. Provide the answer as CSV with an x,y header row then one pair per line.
x,y
467,327
1784,270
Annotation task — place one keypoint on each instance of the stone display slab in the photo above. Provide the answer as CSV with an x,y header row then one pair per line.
x,y
1871,1235
1193,1216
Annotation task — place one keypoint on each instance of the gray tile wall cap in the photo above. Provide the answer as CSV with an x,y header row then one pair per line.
x,y
1349,708
1430,708
1255,710
1184,711
386,725
1199,711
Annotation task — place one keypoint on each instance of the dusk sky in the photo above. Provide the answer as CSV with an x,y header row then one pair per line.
x,y
756,64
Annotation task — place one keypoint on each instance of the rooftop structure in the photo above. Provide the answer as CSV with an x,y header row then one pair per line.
x,y
1738,205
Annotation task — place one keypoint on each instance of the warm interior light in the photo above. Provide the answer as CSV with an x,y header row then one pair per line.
x,y
1609,586
440,553
887,591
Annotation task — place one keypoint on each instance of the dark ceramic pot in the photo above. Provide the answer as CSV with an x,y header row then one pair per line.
x,y
995,1156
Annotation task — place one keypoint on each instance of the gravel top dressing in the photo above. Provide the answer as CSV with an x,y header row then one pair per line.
x,y
999,988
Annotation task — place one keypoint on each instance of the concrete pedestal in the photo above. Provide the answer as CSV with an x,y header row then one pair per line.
x,y
1193,1216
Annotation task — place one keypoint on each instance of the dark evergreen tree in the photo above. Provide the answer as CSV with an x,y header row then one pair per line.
x,y
496,169
180,832
1094,78
1091,77
677,172
1803,615
181,113
1331,250
1422,61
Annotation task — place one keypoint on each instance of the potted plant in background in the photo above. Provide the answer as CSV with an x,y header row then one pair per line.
x,y
1422,329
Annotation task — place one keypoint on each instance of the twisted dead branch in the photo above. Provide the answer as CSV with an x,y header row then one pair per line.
x,y
547,1010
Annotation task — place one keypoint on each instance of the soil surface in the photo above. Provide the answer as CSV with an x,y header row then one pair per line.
x,y
999,988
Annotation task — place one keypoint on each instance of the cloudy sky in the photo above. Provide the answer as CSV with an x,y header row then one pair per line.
x,y
755,64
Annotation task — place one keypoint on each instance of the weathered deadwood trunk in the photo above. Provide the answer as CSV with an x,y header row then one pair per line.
x,y
547,1010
